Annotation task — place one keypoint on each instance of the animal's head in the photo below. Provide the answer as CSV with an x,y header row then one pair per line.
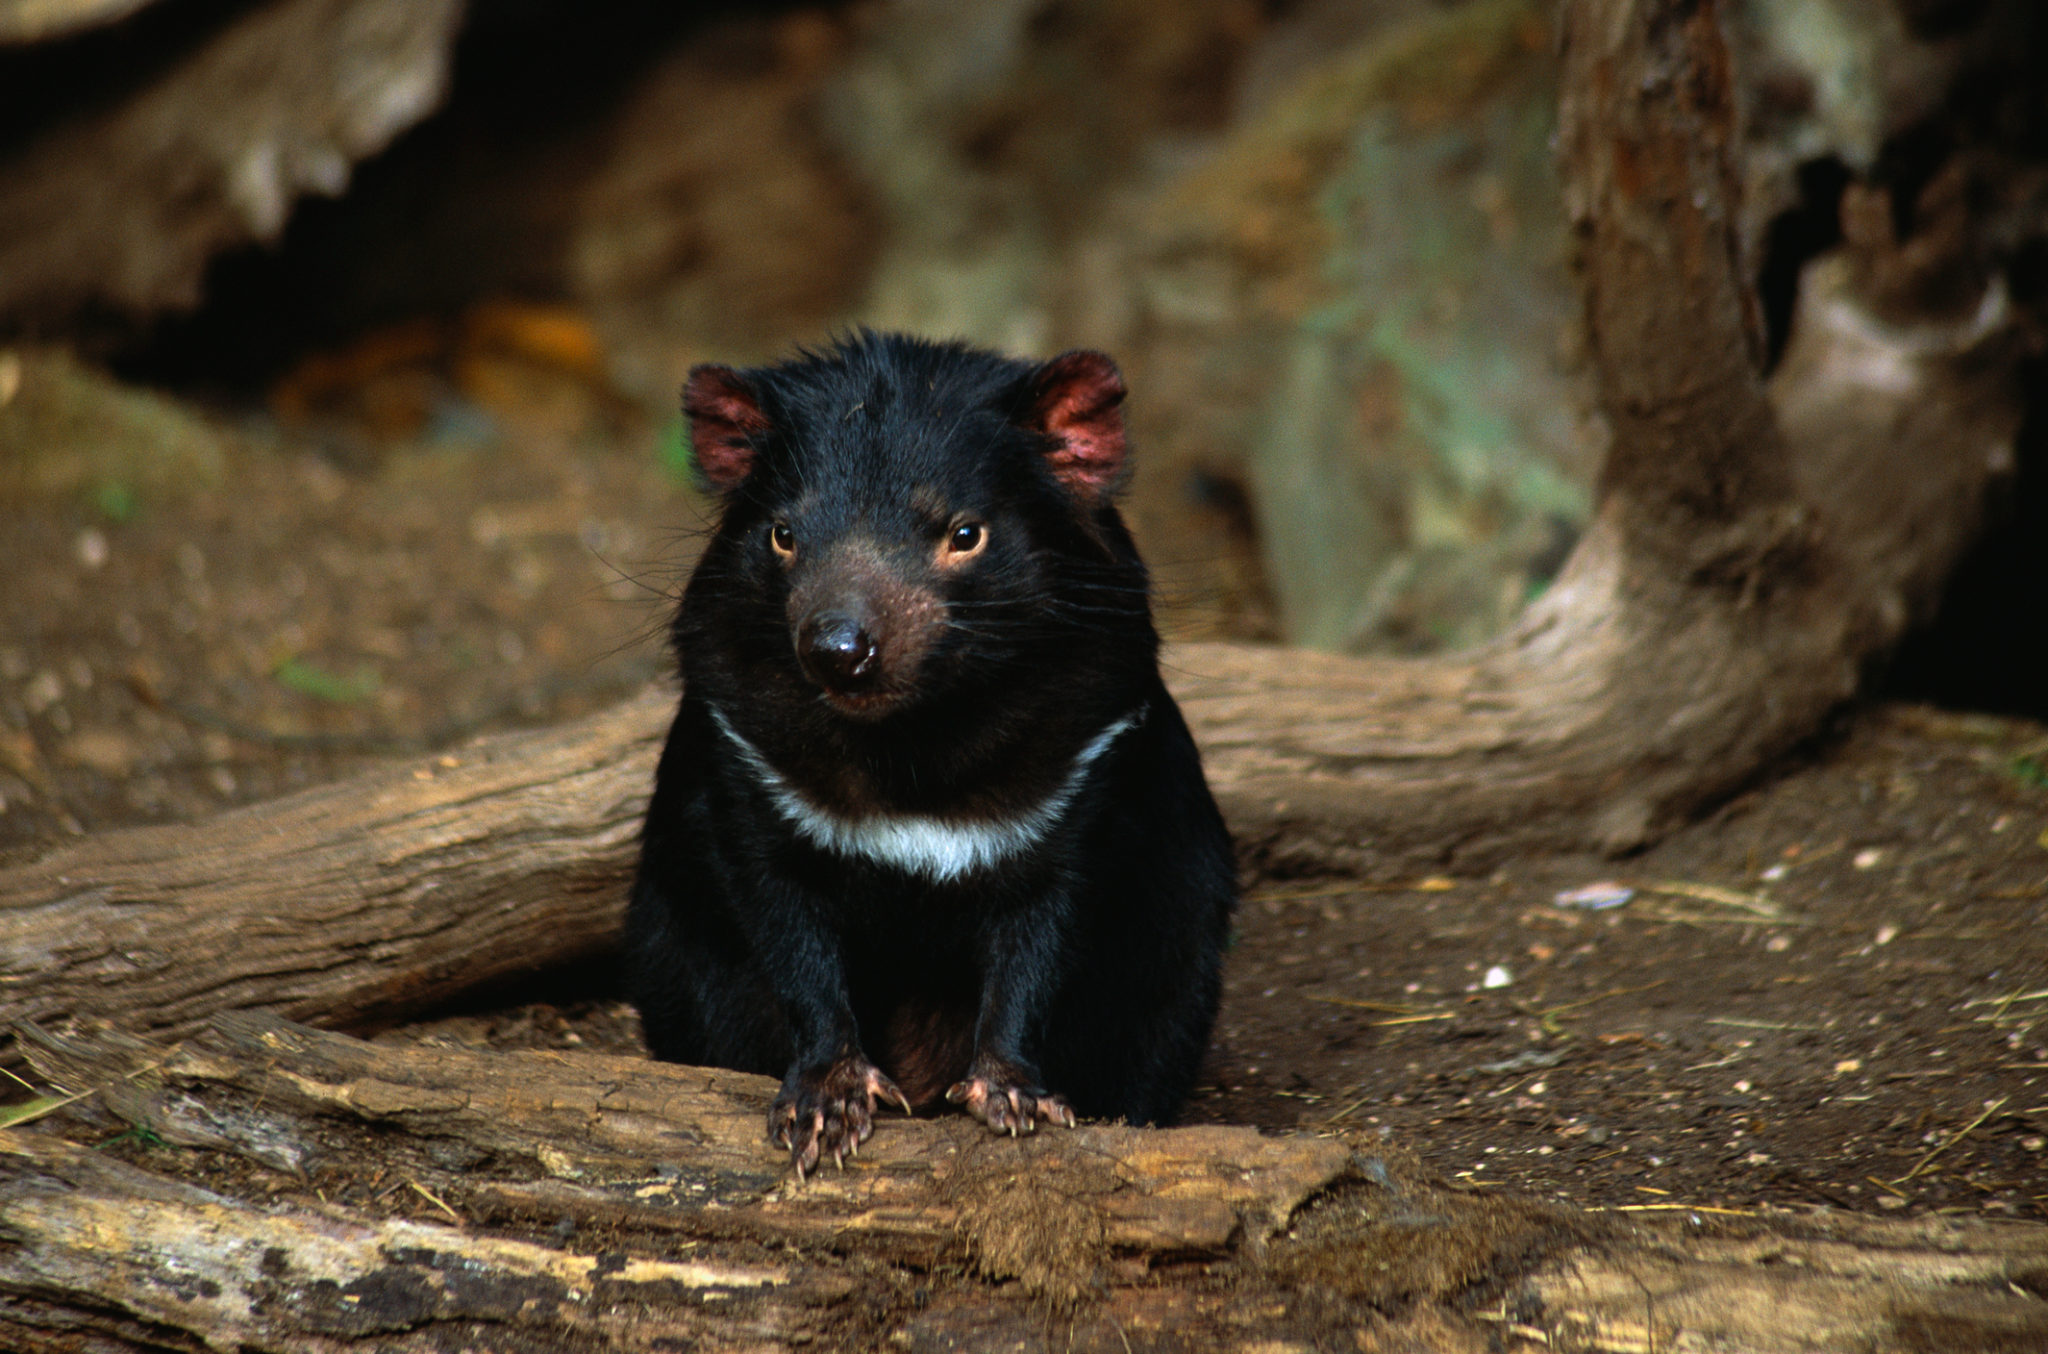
x,y
915,509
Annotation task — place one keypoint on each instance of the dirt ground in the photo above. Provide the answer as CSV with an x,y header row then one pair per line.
x,y
1833,991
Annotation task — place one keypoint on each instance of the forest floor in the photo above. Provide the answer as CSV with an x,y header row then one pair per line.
x,y
1834,990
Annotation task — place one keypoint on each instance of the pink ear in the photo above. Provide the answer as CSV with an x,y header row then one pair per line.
x,y
725,415
1076,400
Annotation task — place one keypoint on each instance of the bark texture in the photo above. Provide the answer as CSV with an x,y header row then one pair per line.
x,y
1758,545
307,1191
351,904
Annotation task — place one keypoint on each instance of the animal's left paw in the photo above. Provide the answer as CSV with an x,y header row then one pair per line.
x,y
1006,1098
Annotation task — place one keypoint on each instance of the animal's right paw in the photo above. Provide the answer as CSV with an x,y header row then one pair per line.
x,y
1007,1097
828,1109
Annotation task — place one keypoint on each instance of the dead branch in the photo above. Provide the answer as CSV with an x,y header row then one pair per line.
x,y
311,1191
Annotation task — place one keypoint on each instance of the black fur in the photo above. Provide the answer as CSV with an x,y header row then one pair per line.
x,y
879,671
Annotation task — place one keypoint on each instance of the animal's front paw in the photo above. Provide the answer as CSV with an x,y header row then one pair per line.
x,y
1006,1098
829,1109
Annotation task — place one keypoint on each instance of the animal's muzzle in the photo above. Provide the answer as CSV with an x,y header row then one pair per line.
x,y
837,652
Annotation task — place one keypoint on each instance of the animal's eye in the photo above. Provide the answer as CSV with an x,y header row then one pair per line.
x,y
967,538
782,538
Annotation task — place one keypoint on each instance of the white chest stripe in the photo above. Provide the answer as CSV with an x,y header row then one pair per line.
x,y
918,843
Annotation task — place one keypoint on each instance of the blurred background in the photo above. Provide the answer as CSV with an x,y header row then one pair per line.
x,y
340,339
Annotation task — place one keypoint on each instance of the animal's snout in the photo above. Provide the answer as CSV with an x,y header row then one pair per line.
x,y
837,652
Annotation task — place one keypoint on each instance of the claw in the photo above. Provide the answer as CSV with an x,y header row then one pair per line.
x,y
1006,1104
828,1110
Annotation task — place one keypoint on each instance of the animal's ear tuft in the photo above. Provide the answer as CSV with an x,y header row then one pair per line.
x,y
725,418
1077,401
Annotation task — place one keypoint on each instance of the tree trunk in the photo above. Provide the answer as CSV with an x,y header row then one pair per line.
x,y
307,1191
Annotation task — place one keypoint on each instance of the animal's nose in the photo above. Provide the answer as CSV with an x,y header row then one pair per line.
x,y
836,651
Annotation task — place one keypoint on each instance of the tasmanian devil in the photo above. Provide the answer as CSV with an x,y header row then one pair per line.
x,y
927,823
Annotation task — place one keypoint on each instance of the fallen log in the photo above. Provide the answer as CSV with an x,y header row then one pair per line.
x,y
351,904
285,1188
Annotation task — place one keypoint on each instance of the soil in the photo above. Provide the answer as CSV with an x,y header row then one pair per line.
x,y
1835,990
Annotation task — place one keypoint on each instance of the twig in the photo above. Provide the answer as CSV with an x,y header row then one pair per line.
x,y
1714,893
1331,1119
1432,884
1990,1109
1392,1007
434,1199
1597,996
1703,919
32,1110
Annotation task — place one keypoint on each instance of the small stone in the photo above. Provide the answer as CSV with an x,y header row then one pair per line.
x,y
1596,897
1868,858
44,690
107,751
92,548
1497,976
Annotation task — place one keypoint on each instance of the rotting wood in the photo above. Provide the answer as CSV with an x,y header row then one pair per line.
x,y
141,1256
315,1192
589,1129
